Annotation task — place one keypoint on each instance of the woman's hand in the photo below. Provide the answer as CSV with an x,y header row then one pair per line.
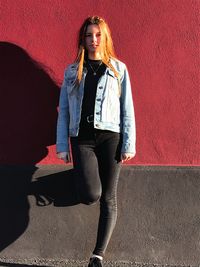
x,y
126,156
64,156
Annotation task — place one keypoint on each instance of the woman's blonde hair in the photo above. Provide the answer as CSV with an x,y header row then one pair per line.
x,y
107,44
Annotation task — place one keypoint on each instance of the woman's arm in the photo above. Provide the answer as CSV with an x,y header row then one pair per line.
x,y
128,119
62,141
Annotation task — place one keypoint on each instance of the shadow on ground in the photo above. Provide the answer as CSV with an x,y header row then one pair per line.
x,y
19,265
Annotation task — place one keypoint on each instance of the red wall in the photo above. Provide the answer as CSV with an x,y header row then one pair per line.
x,y
157,39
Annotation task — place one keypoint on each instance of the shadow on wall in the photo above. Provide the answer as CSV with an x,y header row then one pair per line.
x,y
28,115
28,107
59,189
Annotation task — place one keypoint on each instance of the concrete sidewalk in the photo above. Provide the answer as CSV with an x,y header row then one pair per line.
x,y
42,225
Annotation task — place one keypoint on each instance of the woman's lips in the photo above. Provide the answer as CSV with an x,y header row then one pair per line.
x,y
93,45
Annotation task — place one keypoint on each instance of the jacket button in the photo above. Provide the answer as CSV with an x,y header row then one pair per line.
x,y
100,87
97,125
98,99
97,113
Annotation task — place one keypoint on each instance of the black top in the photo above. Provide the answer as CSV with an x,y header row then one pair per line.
x,y
95,69
90,87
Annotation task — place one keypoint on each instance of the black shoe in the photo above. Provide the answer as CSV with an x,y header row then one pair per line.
x,y
95,262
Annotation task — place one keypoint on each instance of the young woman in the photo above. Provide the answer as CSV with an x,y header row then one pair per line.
x,y
96,112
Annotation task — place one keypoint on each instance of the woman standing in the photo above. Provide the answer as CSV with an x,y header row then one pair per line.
x,y
96,112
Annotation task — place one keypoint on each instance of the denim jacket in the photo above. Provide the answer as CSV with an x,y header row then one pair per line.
x,y
113,110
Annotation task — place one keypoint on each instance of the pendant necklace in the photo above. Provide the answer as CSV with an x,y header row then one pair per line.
x,y
95,70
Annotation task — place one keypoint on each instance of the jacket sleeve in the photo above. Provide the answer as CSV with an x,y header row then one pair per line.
x,y
62,138
127,116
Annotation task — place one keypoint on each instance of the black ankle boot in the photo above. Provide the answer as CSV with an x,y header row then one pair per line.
x,y
95,262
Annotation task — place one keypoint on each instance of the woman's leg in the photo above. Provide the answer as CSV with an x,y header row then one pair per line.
x,y
87,172
108,154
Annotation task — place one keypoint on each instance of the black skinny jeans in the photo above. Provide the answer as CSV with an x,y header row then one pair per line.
x,y
96,159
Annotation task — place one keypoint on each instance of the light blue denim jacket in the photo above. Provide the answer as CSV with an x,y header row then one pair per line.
x,y
113,110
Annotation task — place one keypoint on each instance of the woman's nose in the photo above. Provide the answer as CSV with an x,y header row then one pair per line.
x,y
94,38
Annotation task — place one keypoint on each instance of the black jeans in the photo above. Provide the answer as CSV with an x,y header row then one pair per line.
x,y
96,159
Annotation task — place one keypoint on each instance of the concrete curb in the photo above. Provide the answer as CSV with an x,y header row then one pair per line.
x,y
74,263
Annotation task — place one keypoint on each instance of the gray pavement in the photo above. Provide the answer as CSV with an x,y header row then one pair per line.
x,y
43,225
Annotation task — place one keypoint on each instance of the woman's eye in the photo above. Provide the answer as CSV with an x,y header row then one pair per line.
x,y
90,35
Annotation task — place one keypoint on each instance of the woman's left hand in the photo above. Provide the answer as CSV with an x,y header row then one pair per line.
x,y
126,156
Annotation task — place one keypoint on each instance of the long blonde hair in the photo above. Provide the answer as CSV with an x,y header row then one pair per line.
x,y
108,49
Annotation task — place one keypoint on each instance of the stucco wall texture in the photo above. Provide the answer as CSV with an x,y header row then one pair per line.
x,y
157,39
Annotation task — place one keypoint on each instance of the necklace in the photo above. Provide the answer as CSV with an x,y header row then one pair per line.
x,y
95,70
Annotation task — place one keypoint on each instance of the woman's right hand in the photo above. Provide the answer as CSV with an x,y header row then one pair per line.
x,y
65,156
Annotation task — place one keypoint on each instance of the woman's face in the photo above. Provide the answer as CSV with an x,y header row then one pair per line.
x,y
93,39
